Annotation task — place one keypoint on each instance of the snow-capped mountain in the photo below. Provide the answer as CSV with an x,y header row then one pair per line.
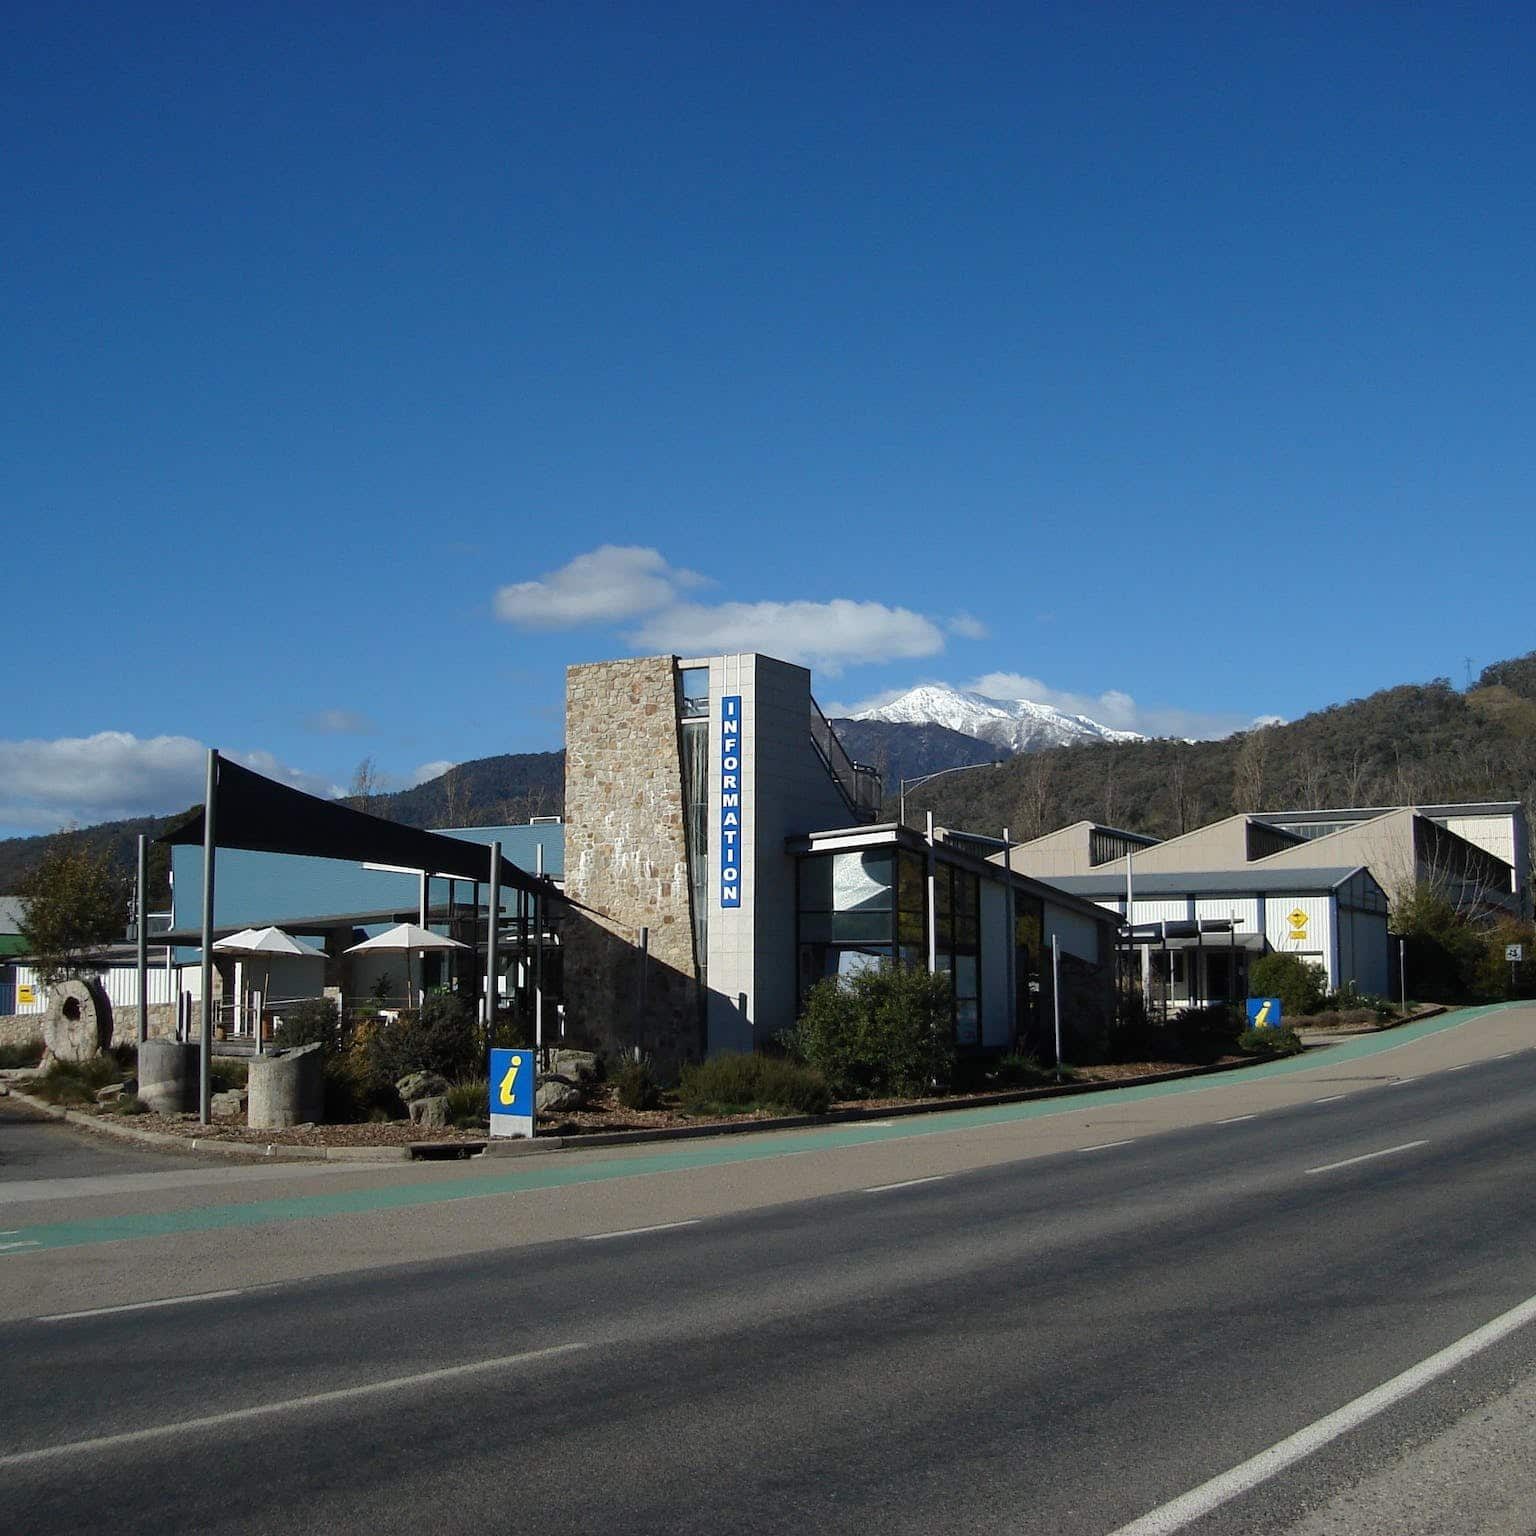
x,y
1019,725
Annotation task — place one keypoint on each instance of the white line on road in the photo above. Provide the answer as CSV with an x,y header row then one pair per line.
x,y
1104,1146
1397,1082
1189,1507
12,1247
1366,1157
880,1189
288,1405
1459,1067
1504,1056
1333,1098
1235,1119
664,1226
137,1306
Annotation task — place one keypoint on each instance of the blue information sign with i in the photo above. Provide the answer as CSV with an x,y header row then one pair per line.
x,y
730,800
512,1088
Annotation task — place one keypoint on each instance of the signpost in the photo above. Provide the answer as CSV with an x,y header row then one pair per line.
x,y
512,1092
1263,1013
1514,953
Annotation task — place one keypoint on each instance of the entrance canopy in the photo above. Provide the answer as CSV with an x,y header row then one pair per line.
x,y
261,814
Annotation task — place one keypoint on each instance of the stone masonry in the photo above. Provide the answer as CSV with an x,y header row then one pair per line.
x,y
626,862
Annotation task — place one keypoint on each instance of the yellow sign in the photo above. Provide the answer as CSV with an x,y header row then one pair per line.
x,y
504,1093
25,994
1298,921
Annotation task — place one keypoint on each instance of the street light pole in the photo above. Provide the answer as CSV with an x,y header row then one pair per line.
x,y
923,778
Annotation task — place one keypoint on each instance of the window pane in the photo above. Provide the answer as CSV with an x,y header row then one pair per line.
x,y
694,686
861,882
816,884
860,927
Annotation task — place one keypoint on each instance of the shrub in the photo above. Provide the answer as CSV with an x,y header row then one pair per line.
x,y
469,1103
1299,984
736,1081
129,1104
440,1037
1203,1034
226,1073
351,1095
76,1082
881,1032
1269,1042
25,1053
314,1021
1022,1069
635,1086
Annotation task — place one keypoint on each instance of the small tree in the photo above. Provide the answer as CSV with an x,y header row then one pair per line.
x,y
1299,984
883,1031
72,902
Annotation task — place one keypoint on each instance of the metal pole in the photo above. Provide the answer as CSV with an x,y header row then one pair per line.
x,y
1402,974
645,967
1010,916
421,900
538,954
205,1032
492,959
142,939
1056,996
933,908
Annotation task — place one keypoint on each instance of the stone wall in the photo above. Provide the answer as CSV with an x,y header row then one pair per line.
x,y
626,862
18,1028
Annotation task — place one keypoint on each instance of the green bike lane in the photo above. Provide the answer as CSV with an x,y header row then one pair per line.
x,y
559,1171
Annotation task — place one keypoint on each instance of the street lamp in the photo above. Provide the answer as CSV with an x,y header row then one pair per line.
x,y
923,778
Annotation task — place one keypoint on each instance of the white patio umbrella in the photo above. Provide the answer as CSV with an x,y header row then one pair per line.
x,y
405,938
254,943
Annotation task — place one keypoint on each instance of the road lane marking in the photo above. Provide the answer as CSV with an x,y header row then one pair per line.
x,y
1460,1067
137,1306
1504,1056
661,1226
1189,1507
1397,1082
880,1189
12,1247
1236,1119
287,1405
1333,1098
1366,1157
1104,1146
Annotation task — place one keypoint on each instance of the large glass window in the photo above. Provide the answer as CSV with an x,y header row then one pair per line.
x,y
693,693
847,913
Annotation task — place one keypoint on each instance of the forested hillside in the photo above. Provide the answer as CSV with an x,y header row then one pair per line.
x,y
1413,744
1417,743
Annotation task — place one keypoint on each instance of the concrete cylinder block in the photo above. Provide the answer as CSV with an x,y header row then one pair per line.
x,y
168,1076
288,1089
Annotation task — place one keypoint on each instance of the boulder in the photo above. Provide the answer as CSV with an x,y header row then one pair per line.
x,y
421,1085
556,1094
111,1093
578,1066
431,1112
230,1103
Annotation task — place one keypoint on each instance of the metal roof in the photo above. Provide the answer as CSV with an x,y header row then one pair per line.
x,y
1251,880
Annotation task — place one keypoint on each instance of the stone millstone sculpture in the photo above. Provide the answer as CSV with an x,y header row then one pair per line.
x,y
78,1024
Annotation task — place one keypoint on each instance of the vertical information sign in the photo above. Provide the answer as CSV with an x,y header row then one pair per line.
x,y
512,1092
730,800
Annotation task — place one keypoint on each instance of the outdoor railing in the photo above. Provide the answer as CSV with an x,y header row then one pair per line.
x,y
859,783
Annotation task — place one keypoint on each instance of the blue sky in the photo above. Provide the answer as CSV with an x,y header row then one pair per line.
x,y
364,366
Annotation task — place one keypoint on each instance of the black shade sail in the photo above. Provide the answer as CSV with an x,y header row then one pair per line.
x,y
265,816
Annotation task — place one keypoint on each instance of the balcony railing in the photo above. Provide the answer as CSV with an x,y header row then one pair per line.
x,y
858,782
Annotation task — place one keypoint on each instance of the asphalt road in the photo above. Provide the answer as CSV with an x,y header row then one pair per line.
x,y
1072,1319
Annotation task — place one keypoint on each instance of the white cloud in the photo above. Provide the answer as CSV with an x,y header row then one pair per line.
x,y
967,626
1116,708
114,775
606,585
433,770
339,722
828,635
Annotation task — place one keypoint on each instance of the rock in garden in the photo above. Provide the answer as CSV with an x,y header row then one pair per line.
x,y
429,1112
421,1085
111,1092
556,1094
230,1103
579,1066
